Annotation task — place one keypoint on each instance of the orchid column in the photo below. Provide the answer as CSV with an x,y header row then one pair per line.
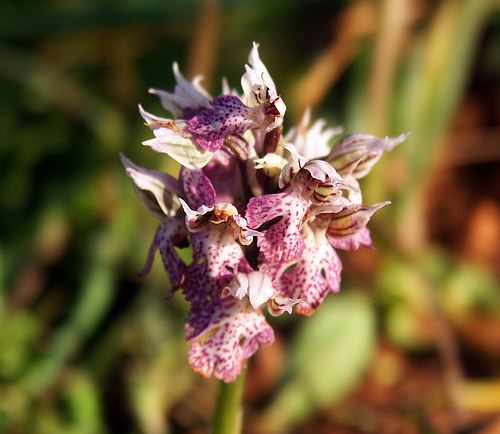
x,y
263,213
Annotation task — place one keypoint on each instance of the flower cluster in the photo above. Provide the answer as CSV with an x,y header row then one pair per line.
x,y
263,212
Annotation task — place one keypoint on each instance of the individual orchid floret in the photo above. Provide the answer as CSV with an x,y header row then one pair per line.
x,y
227,116
217,214
356,154
230,330
316,272
208,128
188,97
202,124
259,88
347,228
256,74
312,142
172,138
200,193
321,181
316,182
159,193
312,177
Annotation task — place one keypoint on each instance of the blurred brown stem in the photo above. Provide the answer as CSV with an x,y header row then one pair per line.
x,y
204,43
391,32
447,347
355,23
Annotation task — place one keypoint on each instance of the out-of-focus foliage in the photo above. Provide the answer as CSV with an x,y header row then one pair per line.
x,y
88,347
326,360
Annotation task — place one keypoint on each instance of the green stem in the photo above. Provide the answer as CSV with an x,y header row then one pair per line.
x,y
228,415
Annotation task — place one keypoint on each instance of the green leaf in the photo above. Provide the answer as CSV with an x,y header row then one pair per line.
x,y
82,396
18,336
470,289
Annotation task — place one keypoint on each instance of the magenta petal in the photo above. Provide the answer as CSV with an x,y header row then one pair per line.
x,y
225,174
237,337
198,190
211,126
282,241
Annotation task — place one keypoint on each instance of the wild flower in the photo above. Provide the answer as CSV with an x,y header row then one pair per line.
x,y
262,212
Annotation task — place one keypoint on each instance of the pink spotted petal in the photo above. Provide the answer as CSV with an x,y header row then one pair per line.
x,y
170,233
211,126
313,276
208,293
236,338
217,248
217,258
282,241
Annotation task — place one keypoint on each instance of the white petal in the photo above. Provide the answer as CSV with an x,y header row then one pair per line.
x,y
260,289
256,74
163,187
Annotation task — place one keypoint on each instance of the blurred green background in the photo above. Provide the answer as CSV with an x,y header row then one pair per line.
x,y
412,345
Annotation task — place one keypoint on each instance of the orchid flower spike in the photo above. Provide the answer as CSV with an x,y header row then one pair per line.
x,y
263,213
